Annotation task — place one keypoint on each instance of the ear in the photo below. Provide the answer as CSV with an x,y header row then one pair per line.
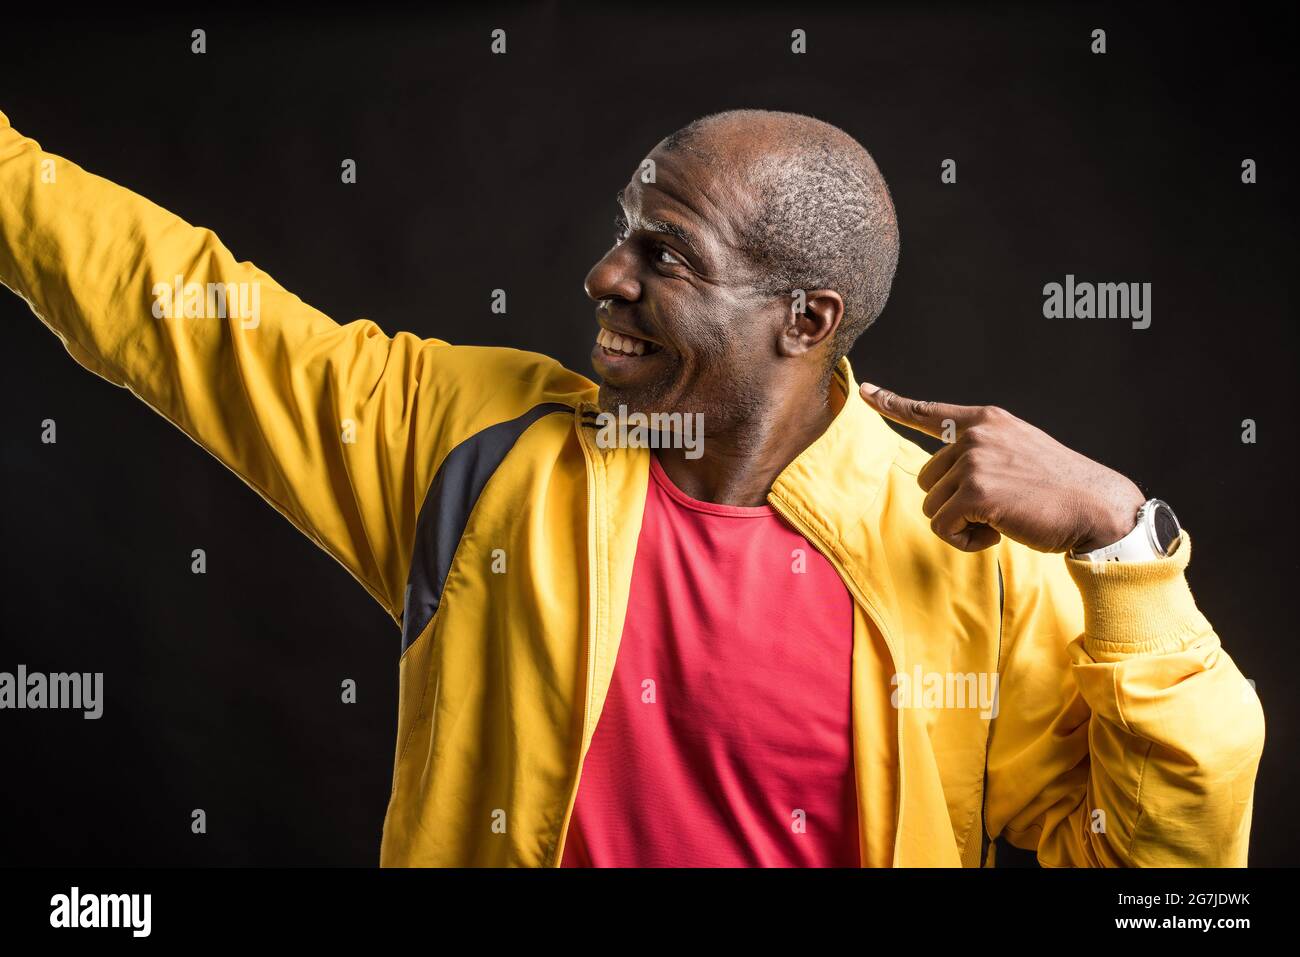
x,y
811,318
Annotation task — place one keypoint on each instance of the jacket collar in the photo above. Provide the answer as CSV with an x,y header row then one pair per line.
x,y
834,484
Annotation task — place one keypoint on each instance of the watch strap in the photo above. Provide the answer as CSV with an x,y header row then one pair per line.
x,y
1139,545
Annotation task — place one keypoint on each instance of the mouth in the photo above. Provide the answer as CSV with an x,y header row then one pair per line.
x,y
621,345
627,362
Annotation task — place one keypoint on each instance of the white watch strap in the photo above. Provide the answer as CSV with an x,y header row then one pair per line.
x,y
1136,546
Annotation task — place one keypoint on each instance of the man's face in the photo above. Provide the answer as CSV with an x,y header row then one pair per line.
x,y
677,280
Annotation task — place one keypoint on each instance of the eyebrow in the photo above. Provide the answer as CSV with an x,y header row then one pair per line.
x,y
663,226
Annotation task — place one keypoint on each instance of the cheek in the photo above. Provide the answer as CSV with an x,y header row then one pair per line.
x,y
716,357
700,330
701,342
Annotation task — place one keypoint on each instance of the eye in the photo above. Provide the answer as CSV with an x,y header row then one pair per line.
x,y
666,255
620,230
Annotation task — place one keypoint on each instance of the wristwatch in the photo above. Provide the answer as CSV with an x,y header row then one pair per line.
x,y
1156,536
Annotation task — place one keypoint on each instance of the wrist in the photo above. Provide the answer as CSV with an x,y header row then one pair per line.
x,y
1112,521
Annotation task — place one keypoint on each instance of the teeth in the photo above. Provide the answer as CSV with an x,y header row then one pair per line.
x,y
624,344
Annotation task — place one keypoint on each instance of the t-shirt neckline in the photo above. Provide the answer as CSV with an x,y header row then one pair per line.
x,y
710,508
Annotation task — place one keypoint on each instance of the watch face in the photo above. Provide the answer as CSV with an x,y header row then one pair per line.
x,y
1165,526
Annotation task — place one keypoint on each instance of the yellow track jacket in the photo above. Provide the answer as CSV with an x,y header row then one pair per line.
x,y
464,489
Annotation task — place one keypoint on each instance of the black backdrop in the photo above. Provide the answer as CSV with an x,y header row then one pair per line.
x,y
477,172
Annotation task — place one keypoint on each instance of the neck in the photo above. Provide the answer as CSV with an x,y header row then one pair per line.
x,y
739,465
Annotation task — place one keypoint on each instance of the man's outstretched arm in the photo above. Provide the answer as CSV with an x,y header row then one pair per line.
x,y
340,427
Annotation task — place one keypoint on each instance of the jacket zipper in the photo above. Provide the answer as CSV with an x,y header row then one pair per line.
x,y
849,582
593,617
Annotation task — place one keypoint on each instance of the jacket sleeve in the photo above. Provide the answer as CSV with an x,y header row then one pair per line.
x,y
339,427
1126,736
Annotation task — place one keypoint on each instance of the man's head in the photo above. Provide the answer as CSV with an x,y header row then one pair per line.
x,y
744,209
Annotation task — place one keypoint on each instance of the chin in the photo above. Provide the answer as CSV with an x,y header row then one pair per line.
x,y
610,398
634,399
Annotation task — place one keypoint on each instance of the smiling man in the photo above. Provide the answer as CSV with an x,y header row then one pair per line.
x,y
775,653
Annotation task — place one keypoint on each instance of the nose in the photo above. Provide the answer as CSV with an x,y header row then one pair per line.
x,y
613,277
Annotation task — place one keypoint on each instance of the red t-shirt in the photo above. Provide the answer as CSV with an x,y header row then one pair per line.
x,y
726,736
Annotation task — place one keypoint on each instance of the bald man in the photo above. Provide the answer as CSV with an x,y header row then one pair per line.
x,y
712,611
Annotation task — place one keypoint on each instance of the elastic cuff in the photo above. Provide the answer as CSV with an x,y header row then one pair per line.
x,y
1137,607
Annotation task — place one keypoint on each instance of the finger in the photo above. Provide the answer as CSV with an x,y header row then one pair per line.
x,y
959,524
932,418
942,490
979,537
940,464
950,520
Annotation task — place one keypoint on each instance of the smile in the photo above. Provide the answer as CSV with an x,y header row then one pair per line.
x,y
618,344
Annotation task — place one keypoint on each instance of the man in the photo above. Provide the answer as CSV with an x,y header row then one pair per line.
x,y
804,641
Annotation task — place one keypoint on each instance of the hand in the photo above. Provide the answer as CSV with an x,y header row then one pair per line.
x,y
998,475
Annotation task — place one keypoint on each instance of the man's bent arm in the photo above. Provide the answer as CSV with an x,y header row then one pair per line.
x,y
339,427
1126,736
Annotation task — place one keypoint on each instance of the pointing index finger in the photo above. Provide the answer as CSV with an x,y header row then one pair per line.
x,y
924,416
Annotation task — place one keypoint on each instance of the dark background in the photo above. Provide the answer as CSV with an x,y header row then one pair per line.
x,y
478,171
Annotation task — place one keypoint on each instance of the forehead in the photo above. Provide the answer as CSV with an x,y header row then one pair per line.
x,y
708,198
